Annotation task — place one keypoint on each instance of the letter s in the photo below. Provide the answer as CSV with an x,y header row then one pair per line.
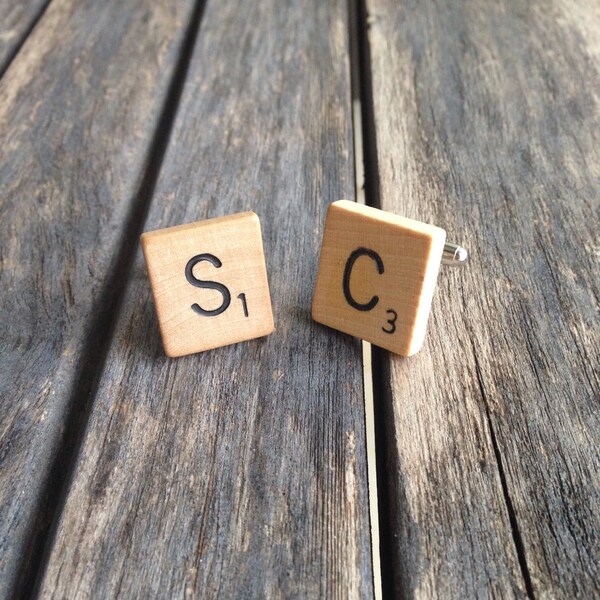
x,y
211,285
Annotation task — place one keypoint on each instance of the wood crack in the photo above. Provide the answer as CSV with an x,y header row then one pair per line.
x,y
512,517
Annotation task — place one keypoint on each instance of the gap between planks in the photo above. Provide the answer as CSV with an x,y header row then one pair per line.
x,y
359,176
368,380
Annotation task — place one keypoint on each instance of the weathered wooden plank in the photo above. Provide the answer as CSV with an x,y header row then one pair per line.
x,y
239,472
486,124
78,110
17,18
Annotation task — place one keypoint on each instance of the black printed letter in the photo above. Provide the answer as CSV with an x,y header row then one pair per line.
x,y
211,285
348,271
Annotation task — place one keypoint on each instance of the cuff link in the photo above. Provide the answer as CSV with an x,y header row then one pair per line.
x,y
377,273
209,291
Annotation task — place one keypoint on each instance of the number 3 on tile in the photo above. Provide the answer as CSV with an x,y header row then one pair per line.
x,y
391,322
211,285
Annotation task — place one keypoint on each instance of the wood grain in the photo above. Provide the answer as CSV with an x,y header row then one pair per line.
x,y
209,283
376,277
486,123
78,110
17,18
239,472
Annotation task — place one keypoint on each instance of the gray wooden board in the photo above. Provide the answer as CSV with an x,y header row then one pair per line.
x,y
486,124
78,109
17,18
239,472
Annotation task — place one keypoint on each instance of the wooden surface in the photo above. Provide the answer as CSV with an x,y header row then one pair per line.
x,y
238,472
376,276
241,472
78,113
17,19
485,120
209,283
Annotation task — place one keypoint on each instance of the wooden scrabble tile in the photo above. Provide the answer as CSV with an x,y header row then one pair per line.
x,y
209,283
376,277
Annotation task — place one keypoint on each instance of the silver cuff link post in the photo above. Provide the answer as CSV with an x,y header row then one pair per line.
x,y
454,255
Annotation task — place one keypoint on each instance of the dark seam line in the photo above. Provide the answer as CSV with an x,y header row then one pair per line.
x,y
512,517
386,463
355,94
55,490
365,91
12,55
362,89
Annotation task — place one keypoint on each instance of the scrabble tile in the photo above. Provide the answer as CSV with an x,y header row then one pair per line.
x,y
377,273
209,283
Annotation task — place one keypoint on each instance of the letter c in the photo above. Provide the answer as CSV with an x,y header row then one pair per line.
x,y
372,303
